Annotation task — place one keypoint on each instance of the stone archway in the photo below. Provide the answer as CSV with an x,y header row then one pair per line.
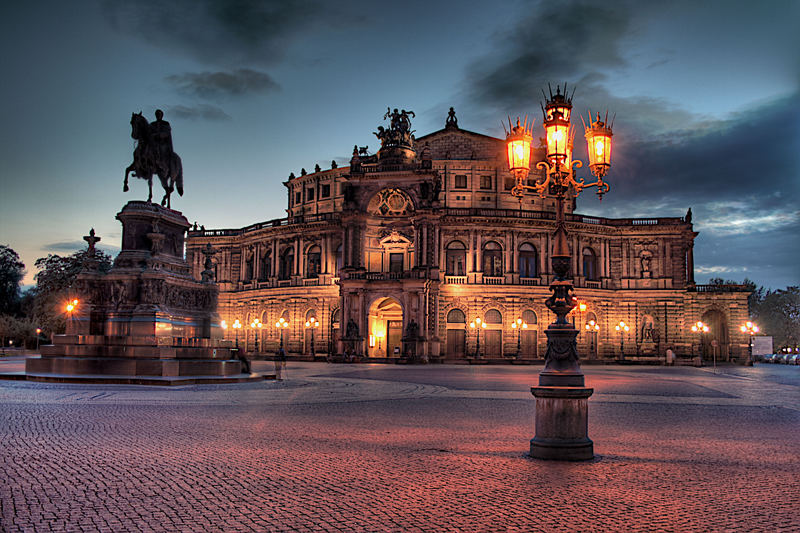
x,y
385,328
716,343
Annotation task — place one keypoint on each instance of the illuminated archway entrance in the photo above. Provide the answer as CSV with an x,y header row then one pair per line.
x,y
385,328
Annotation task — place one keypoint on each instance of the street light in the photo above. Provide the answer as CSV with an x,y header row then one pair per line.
x,y
256,325
313,324
700,328
623,328
561,382
71,306
236,327
478,324
519,325
592,327
752,329
282,324
381,334
38,332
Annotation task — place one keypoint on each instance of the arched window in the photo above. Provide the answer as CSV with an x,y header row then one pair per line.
x,y
266,266
248,266
492,259
529,317
456,259
311,313
456,316
527,261
287,264
493,316
313,262
589,264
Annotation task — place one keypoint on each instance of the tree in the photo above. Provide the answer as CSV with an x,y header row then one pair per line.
x,y
778,315
56,275
12,270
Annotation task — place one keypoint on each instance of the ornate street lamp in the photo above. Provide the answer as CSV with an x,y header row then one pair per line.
x,y
381,334
70,307
519,325
282,324
256,325
39,332
313,324
561,369
236,327
751,329
478,324
592,327
622,328
700,328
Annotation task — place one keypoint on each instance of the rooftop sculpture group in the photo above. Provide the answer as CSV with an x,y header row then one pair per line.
x,y
154,155
399,132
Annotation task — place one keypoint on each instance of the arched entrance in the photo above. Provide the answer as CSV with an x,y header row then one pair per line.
x,y
385,328
716,343
456,334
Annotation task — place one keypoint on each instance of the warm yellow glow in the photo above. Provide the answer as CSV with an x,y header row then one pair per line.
x,y
599,148
743,329
483,325
519,321
75,302
237,324
70,307
472,325
372,341
223,325
518,143
557,139
755,329
749,324
38,330
514,325
524,325
582,306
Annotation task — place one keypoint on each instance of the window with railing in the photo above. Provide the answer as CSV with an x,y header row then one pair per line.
x,y
492,259
455,258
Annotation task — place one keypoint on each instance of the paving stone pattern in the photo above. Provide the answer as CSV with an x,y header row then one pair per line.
x,y
677,450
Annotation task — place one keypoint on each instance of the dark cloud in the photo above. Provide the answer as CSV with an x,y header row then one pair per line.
x,y
215,85
199,111
216,31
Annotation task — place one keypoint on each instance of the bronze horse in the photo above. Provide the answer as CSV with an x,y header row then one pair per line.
x,y
146,162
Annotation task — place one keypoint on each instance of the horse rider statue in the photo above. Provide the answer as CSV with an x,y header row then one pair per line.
x,y
154,155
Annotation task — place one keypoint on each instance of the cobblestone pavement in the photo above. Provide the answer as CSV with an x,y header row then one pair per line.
x,y
401,448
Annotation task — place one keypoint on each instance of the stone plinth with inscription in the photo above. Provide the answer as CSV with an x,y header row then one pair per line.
x,y
147,319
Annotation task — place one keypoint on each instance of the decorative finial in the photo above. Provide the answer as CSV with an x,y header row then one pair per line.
x,y
317,168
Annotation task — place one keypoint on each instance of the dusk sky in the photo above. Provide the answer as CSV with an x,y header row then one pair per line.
x,y
705,96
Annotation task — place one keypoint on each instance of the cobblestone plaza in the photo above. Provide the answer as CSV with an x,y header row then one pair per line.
x,y
401,448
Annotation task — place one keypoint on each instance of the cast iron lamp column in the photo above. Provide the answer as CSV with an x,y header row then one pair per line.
x,y
236,327
312,324
478,324
561,398
256,325
623,328
592,327
700,328
39,332
519,325
751,329
282,324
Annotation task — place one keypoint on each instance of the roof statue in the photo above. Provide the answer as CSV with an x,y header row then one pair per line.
x,y
452,121
154,155
399,132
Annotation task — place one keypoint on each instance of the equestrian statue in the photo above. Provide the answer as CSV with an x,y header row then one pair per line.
x,y
153,155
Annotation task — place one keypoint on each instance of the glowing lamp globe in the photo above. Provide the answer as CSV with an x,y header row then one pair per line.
x,y
518,142
598,139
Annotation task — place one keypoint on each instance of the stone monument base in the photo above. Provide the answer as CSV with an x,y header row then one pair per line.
x,y
146,319
562,424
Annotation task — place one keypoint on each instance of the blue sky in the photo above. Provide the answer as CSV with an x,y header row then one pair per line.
x,y
706,97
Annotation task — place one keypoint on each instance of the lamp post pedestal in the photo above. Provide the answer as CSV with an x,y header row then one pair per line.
x,y
562,424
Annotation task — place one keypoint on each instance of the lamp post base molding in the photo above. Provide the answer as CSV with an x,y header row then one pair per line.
x,y
562,424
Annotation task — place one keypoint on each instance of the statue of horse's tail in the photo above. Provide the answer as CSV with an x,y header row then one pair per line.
x,y
178,175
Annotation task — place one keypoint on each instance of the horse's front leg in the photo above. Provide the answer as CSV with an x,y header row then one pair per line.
x,y
150,189
125,183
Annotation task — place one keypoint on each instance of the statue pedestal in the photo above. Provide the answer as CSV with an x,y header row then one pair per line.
x,y
562,424
146,320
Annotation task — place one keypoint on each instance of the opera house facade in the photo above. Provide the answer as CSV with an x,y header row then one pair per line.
x,y
420,252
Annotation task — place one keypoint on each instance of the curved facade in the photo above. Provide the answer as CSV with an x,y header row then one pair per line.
x,y
399,254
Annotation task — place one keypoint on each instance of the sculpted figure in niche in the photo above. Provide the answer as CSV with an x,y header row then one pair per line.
x,y
645,262
648,329
352,329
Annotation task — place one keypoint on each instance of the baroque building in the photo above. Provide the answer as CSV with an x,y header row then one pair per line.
x,y
399,253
